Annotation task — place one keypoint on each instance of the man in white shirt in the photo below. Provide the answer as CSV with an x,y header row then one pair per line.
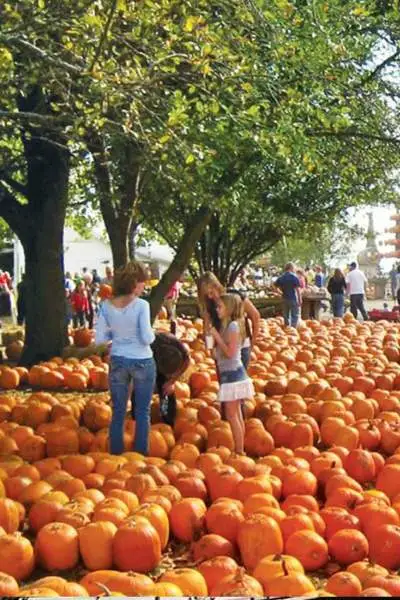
x,y
356,284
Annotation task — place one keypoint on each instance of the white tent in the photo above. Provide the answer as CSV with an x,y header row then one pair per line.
x,y
94,253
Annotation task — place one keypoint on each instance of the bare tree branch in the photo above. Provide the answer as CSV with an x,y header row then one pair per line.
x,y
379,68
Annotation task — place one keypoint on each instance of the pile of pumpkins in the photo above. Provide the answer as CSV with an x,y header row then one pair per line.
x,y
312,508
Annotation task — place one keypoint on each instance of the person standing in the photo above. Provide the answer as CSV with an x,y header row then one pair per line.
x,y
356,286
235,384
80,305
210,289
21,301
393,282
289,284
108,279
319,280
125,321
171,299
337,287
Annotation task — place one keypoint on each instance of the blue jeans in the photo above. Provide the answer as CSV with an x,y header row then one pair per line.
x,y
338,305
143,373
290,312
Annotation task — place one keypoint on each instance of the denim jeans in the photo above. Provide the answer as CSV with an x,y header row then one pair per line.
x,y
290,312
338,305
143,373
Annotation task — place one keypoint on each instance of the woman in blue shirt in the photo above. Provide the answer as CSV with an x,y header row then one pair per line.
x,y
125,321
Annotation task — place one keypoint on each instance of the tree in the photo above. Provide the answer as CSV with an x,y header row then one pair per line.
x,y
194,97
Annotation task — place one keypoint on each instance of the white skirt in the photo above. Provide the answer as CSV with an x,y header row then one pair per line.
x,y
240,390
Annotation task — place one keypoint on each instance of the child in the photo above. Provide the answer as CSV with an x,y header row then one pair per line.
x,y
235,385
80,304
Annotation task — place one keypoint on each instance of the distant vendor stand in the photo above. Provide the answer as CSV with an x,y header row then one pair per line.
x,y
267,306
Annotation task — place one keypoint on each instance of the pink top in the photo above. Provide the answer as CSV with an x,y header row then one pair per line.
x,y
174,290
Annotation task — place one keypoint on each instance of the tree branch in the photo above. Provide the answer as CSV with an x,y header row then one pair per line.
x,y
18,187
381,66
353,134
32,116
10,40
14,213
104,35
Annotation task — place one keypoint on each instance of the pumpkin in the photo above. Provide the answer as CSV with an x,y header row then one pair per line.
x,y
190,581
128,584
9,515
95,545
216,568
157,516
43,512
275,565
384,546
291,584
61,586
136,546
238,584
56,547
38,592
348,546
187,518
166,589
309,548
212,545
258,536
16,556
8,585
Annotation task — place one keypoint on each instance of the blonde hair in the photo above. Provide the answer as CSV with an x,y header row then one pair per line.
x,y
207,279
235,312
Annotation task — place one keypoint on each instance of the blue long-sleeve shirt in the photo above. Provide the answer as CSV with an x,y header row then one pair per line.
x,y
128,328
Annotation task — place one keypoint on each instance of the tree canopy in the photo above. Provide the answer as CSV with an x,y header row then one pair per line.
x,y
221,125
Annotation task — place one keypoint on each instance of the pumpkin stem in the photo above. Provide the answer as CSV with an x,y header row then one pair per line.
x,y
103,587
284,567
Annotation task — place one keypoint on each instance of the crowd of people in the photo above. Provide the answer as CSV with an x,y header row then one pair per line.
x,y
293,282
82,295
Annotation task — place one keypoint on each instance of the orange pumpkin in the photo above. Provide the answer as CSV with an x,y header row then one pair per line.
x,y
136,546
56,547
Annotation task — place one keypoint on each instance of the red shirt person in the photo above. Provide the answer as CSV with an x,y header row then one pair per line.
x,y
80,304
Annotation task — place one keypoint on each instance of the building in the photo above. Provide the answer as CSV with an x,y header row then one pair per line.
x,y
95,253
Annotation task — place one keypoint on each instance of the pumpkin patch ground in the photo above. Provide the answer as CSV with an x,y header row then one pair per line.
x,y
312,508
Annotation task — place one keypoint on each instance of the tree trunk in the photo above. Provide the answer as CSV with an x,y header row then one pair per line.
x,y
117,230
181,259
46,334
39,224
118,202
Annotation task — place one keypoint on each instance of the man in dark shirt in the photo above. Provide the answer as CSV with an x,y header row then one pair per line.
x,y
289,284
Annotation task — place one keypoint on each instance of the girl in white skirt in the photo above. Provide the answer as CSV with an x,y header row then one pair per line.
x,y
235,385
